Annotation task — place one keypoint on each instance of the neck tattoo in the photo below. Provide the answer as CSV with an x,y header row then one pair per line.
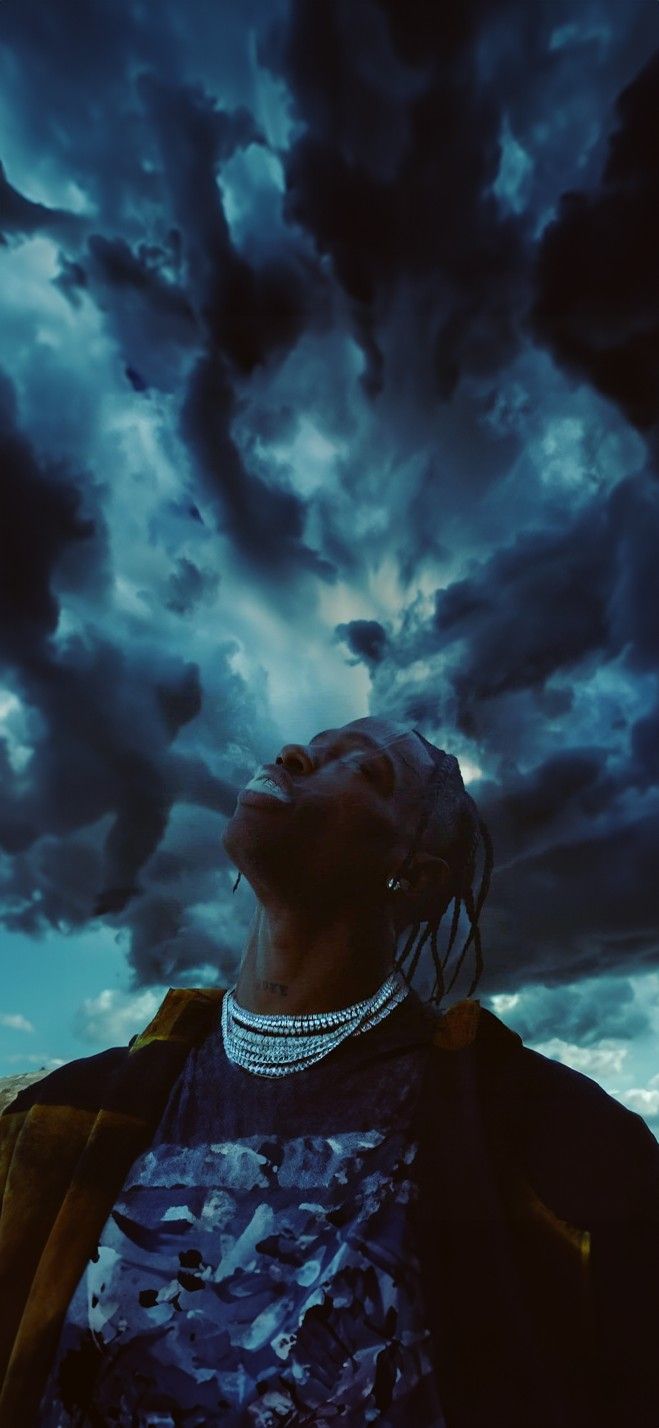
x,y
272,987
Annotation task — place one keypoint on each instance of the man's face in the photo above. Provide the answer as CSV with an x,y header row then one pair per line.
x,y
338,821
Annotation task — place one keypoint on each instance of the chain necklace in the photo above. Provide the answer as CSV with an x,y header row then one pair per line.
x,y
279,1044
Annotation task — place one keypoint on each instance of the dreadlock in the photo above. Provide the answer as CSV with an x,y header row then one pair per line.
x,y
463,831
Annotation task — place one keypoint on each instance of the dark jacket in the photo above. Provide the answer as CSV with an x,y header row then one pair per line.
x,y
537,1219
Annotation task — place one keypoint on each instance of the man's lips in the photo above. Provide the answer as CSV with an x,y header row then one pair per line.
x,y
267,785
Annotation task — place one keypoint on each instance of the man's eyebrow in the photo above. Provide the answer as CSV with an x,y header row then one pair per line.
x,y
367,743
359,740
354,743
381,748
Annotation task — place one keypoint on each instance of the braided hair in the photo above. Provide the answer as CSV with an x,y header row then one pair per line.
x,y
460,833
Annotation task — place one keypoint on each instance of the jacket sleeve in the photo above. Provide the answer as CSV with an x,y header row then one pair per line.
x,y
596,1164
78,1083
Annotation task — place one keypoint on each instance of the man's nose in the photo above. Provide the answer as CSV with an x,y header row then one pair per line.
x,y
296,759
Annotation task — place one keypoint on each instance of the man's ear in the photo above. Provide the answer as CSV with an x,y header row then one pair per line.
x,y
432,884
425,891
428,870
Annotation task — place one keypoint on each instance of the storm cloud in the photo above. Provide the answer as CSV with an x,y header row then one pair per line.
x,y
597,301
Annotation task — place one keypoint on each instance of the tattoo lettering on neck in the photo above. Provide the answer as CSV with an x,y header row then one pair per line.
x,y
273,987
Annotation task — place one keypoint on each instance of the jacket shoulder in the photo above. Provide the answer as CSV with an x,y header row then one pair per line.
x,y
468,1025
587,1154
185,1016
79,1083
575,1133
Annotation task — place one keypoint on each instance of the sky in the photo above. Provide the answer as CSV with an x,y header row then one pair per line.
x,y
329,386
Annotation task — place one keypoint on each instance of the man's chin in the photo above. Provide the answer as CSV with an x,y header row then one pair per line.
x,y
253,842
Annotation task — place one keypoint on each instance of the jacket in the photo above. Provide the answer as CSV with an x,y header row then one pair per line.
x,y
537,1218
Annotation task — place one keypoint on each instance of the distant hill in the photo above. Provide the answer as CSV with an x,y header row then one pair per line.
x,y
11,1085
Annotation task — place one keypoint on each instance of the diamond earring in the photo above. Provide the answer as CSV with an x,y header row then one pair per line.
x,y
398,885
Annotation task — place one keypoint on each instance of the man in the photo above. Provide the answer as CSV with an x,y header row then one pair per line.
x,y
334,1206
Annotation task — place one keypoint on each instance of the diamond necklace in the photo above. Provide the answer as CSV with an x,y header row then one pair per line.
x,y
279,1044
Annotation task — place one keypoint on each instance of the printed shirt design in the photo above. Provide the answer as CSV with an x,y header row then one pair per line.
x,y
260,1282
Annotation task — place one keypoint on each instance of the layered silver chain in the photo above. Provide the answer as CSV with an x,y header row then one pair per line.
x,y
279,1044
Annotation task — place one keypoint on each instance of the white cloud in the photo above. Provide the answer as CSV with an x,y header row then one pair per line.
x,y
112,1017
15,1021
41,1060
643,1100
606,1059
13,727
504,1002
471,772
310,456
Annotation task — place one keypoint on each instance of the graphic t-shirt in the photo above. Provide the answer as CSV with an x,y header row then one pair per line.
x,y
259,1266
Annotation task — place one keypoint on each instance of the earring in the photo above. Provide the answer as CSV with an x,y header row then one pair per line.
x,y
398,885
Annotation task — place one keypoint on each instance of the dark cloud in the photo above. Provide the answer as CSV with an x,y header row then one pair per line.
x,y
103,779
180,699
392,176
84,818
71,86
265,522
189,586
19,215
581,1015
71,279
536,607
552,600
597,301
248,314
106,730
583,906
549,801
168,941
573,887
41,515
147,307
137,382
366,638
645,749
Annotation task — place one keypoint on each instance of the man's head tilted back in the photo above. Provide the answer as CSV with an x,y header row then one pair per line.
x,y
368,821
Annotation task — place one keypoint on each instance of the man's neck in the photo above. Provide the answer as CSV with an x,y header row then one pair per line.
x,y
293,963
